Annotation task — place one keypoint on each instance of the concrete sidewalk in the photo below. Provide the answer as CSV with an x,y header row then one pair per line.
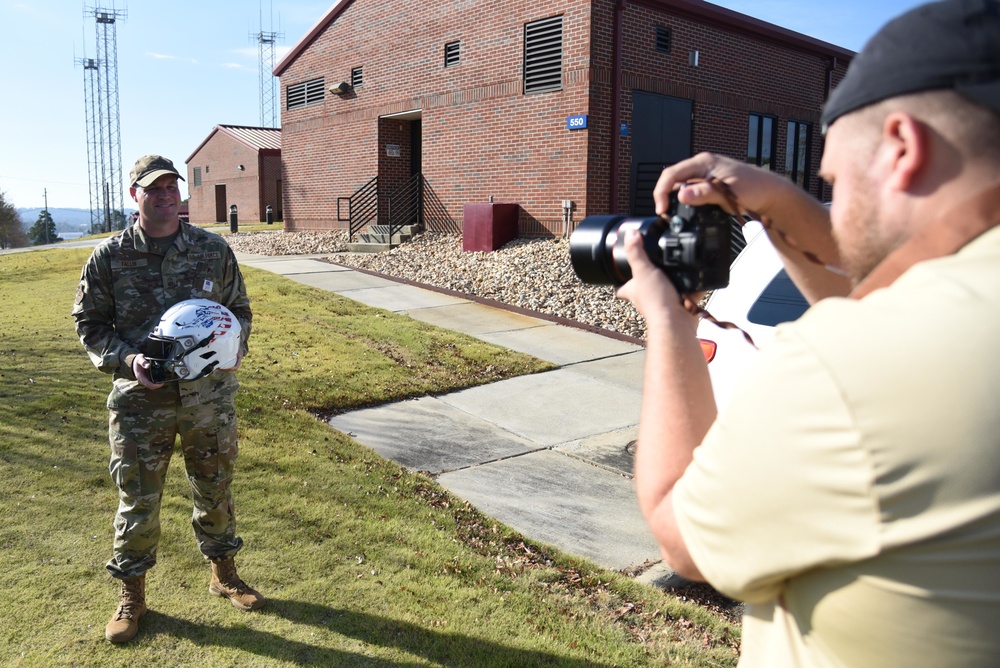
x,y
545,453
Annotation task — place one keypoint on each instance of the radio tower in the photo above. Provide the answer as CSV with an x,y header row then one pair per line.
x,y
94,159
268,88
104,151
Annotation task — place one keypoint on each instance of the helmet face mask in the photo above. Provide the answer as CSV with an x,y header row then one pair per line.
x,y
193,338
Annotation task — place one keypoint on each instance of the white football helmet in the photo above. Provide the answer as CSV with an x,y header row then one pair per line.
x,y
193,338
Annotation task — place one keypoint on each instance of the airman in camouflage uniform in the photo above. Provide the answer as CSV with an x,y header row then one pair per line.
x,y
126,285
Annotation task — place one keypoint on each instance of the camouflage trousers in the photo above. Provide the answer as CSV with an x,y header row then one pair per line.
x,y
142,442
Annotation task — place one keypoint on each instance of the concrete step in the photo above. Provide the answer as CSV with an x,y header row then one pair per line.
x,y
362,247
384,229
375,238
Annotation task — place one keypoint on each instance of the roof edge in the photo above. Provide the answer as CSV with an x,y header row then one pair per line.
x,y
226,129
202,144
747,24
300,46
694,8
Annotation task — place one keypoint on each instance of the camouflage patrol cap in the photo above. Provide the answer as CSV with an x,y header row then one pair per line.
x,y
148,168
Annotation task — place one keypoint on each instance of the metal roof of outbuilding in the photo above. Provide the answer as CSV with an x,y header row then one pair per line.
x,y
262,140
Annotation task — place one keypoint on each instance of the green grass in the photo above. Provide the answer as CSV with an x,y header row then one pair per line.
x,y
364,563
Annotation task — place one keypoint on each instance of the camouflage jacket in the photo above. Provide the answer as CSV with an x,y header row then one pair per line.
x,y
124,290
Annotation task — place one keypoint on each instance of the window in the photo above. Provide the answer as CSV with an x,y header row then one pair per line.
x,y
452,52
780,302
543,55
761,141
797,153
305,93
663,39
197,176
357,77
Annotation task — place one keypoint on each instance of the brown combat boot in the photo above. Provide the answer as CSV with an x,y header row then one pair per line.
x,y
125,622
226,583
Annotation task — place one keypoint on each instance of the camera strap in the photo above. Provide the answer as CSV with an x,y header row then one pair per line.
x,y
945,236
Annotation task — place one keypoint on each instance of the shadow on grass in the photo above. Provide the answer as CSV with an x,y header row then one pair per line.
x,y
445,648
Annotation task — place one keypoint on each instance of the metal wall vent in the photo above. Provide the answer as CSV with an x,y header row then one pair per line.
x,y
543,43
305,93
452,53
663,39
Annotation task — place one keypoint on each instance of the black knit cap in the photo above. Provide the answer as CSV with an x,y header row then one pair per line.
x,y
953,44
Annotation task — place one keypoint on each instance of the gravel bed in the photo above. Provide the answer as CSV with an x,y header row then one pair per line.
x,y
533,274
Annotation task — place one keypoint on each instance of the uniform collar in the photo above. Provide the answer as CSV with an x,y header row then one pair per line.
x,y
142,243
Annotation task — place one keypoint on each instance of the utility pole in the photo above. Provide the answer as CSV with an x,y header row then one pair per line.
x,y
45,194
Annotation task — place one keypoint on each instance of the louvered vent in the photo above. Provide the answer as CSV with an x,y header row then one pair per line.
x,y
305,93
663,39
543,55
452,53
357,77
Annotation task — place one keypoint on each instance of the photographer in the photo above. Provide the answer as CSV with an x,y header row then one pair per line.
x,y
850,493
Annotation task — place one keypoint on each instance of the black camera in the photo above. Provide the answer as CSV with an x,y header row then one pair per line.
x,y
690,245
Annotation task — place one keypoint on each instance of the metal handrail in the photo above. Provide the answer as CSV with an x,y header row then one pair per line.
x,y
405,204
362,208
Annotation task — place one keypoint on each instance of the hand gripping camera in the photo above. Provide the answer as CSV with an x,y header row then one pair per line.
x,y
690,244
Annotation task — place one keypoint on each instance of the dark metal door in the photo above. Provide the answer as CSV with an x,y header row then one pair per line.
x,y
661,136
220,203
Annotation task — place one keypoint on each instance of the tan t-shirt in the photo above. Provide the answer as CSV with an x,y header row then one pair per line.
x,y
851,491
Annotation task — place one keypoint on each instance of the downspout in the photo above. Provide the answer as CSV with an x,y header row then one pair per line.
x,y
616,101
829,77
820,185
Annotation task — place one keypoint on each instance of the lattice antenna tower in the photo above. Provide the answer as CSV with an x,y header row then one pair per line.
x,y
268,83
104,150
94,145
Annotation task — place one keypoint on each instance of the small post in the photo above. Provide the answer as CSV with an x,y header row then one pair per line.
x,y
234,224
269,214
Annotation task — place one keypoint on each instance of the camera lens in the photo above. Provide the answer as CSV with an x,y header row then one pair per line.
x,y
597,247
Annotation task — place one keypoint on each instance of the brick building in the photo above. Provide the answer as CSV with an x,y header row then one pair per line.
x,y
235,165
537,103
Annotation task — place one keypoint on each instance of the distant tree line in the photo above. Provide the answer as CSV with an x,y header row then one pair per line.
x,y
44,230
11,233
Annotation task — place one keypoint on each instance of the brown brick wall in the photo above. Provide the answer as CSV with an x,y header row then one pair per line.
x,y
483,137
250,189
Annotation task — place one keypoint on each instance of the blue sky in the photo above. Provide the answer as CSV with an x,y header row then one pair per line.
x,y
185,66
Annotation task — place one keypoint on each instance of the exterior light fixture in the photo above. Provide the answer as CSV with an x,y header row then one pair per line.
x,y
340,88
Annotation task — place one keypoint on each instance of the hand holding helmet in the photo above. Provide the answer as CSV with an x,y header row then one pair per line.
x,y
193,338
141,371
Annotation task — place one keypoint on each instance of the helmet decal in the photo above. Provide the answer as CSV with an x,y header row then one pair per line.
x,y
193,338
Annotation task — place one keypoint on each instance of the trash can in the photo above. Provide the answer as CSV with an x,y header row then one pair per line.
x,y
488,226
234,221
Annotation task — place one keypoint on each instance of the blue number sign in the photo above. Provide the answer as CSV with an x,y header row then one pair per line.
x,y
576,122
